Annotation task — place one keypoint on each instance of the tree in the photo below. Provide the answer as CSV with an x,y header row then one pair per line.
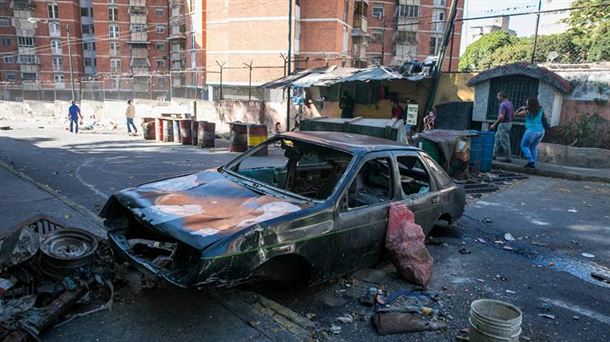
x,y
590,25
564,44
479,55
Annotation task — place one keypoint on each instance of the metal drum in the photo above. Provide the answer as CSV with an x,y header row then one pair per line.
x,y
194,132
176,130
159,129
238,136
148,130
256,135
207,134
185,132
168,131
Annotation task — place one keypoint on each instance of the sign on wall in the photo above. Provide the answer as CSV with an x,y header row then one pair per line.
x,y
412,110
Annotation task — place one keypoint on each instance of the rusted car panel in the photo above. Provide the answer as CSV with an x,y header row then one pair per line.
x,y
221,227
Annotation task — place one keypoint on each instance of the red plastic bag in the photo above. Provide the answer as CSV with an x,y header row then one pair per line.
x,y
405,241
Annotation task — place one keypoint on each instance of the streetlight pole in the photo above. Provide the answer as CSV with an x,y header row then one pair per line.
x,y
70,61
536,34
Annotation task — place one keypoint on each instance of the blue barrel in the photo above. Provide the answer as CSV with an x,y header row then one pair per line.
x,y
176,129
475,151
488,139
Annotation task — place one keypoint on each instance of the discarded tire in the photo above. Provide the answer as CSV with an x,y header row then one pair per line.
x,y
494,320
65,250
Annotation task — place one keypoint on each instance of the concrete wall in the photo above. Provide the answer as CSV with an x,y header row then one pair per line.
x,y
481,98
595,158
113,112
453,87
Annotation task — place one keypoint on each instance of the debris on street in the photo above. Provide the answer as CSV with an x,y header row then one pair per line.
x,y
388,323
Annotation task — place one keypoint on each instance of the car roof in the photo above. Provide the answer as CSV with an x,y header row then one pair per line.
x,y
348,141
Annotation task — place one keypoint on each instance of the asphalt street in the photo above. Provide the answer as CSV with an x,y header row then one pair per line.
x,y
552,222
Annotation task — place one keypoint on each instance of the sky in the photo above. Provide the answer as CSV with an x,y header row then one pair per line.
x,y
524,26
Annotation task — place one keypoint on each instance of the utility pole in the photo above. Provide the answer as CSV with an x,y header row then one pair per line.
x,y
70,61
383,41
289,66
536,34
249,80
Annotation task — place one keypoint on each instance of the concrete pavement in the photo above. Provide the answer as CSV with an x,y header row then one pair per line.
x,y
556,171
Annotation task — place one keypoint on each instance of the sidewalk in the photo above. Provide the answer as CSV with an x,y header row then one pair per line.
x,y
556,171
23,199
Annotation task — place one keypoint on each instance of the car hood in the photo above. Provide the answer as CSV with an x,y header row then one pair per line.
x,y
202,208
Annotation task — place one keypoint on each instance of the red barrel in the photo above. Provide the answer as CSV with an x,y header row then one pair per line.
x,y
159,129
238,136
148,130
194,132
168,131
185,132
256,135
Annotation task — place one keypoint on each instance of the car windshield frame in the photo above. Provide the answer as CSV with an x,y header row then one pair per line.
x,y
273,190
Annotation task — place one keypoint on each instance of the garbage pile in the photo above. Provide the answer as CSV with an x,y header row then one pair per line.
x,y
48,271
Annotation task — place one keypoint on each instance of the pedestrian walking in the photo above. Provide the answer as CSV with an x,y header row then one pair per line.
x,y
534,130
130,113
347,106
397,111
503,124
74,115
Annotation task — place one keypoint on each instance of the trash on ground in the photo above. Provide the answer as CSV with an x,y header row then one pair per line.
x,y
345,319
494,318
572,210
509,237
480,240
547,316
508,248
487,220
464,250
588,255
546,306
388,323
335,329
600,277
405,242
510,291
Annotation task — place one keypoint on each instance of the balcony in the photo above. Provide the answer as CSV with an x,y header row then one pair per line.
x,y
138,38
360,22
28,59
137,3
138,19
23,4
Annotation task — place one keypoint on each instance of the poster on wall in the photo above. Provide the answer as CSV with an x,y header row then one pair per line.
x,y
412,109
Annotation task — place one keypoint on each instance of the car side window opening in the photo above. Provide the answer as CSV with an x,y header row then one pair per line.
x,y
372,184
414,179
306,169
443,180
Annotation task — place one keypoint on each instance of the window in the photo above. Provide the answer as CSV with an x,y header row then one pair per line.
x,y
160,29
160,63
345,10
409,11
9,59
345,41
10,76
139,62
113,1
372,185
53,11
439,20
54,29
159,12
114,48
303,169
27,59
160,46
89,46
114,31
56,47
137,28
115,65
113,14
377,34
193,59
4,22
57,63
435,43
193,42
408,37
89,62
59,78
29,76
137,10
6,41
25,41
516,87
87,29
442,178
86,12
414,179
378,11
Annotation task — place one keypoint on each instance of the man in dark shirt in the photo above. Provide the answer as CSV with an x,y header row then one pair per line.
x,y
73,115
347,106
504,124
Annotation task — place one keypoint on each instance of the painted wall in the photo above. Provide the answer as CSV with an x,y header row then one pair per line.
x,y
453,87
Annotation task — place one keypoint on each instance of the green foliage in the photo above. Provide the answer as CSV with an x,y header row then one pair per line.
x,y
478,55
590,28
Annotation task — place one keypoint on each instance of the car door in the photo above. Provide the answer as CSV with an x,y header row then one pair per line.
x,y
361,217
418,188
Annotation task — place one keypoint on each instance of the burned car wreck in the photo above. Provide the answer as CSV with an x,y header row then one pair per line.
x,y
316,208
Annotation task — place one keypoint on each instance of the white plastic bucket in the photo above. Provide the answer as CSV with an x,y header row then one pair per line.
x,y
493,320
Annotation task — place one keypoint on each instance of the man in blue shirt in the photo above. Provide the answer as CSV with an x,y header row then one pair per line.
x,y
73,116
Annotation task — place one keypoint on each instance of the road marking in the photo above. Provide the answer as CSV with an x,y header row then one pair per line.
x,y
575,308
89,185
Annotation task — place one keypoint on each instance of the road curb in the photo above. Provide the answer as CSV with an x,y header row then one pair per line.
x,y
549,173
61,197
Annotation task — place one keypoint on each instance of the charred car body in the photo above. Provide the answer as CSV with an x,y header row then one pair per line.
x,y
319,206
